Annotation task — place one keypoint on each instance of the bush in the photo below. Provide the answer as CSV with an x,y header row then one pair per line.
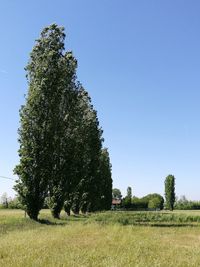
x,y
154,200
151,201
139,204
15,204
154,203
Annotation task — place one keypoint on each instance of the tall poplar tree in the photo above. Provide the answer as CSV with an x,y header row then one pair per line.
x,y
64,141
170,192
128,199
105,179
87,149
50,73
60,137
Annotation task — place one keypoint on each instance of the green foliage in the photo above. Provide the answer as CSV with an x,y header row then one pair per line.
x,y
15,204
64,99
170,192
184,204
139,204
105,179
144,218
45,133
4,201
10,203
41,120
83,190
154,203
129,192
151,201
60,139
116,193
67,207
127,201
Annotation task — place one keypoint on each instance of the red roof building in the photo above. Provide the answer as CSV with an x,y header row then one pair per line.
x,y
116,201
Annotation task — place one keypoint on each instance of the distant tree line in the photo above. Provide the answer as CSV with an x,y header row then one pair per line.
x,y
184,204
148,202
9,203
129,202
62,159
151,201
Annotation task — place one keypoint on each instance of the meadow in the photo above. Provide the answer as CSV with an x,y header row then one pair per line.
x,y
113,239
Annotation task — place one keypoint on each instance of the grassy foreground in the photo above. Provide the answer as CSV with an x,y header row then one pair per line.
x,y
105,239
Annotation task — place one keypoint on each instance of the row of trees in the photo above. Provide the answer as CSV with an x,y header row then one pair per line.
x,y
9,202
184,204
61,154
151,201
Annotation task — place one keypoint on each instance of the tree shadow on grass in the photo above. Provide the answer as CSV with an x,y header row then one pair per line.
x,y
167,225
75,218
64,220
174,225
48,222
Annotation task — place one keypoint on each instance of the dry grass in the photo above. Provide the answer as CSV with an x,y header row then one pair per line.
x,y
88,243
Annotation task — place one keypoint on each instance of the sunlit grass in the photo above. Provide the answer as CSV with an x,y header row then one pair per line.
x,y
86,241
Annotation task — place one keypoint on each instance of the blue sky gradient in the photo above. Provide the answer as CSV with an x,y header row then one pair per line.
x,y
139,61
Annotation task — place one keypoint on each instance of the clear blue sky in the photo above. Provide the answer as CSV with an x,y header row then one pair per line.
x,y
139,61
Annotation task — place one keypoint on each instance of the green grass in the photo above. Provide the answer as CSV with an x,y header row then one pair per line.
x,y
148,218
112,239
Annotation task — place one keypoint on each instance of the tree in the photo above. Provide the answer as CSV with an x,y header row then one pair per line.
x,y
139,203
4,200
170,192
63,146
86,183
41,131
128,199
14,203
60,138
105,179
154,203
129,192
116,194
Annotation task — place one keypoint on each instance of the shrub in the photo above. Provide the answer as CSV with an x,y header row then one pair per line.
x,y
15,204
154,203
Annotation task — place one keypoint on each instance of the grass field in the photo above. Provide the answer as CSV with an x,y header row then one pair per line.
x,y
104,239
